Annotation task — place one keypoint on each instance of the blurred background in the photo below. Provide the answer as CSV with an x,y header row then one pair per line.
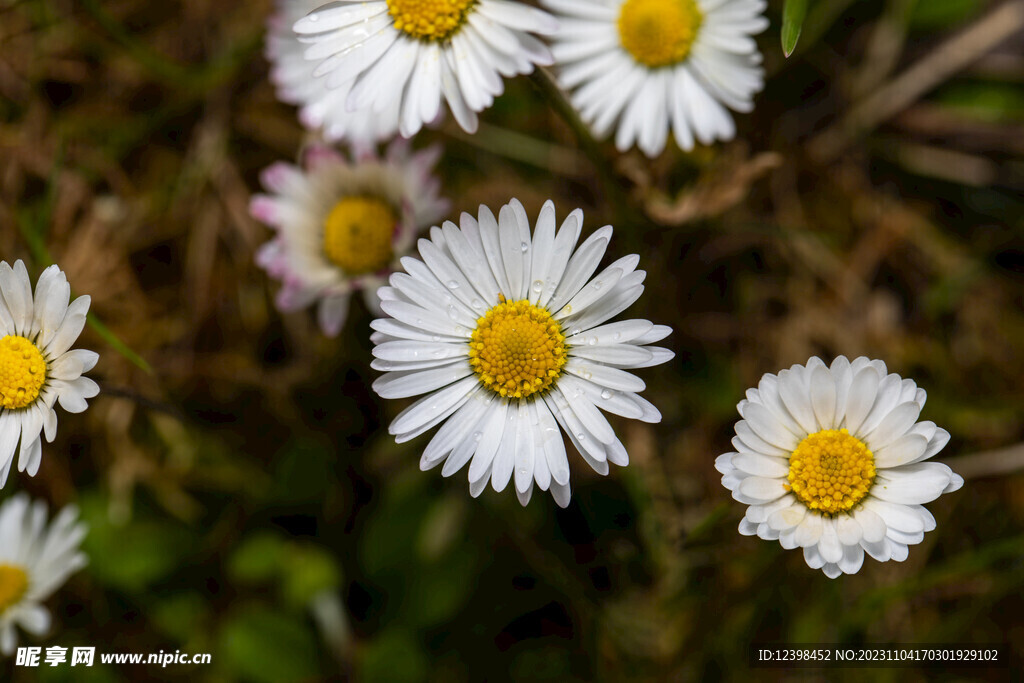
x,y
244,497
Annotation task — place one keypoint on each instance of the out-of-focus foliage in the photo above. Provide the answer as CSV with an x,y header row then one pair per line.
x,y
244,497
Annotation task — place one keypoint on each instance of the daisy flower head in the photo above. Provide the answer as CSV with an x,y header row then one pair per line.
x,y
507,334
342,225
652,65
35,560
320,108
398,58
38,367
832,459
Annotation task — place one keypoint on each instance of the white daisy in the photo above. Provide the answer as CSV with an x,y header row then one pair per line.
x,y
35,560
655,64
320,107
397,58
341,226
506,333
832,460
37,367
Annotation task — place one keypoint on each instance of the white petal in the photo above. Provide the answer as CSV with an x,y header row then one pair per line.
x,y
906,449
823,397
404,384
809,531
863,391
872,525
894,425
828,545
762,489
765,426
918,483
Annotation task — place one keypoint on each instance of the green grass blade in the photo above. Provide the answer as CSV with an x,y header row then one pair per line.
x,y
793,13
115,342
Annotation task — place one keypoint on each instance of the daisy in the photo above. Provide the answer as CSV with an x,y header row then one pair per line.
x,y
37,365
656,64
507,334
320,107
832,460
342,225
34,561
398,58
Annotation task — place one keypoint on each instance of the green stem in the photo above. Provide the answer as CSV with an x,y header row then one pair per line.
x,y
616,193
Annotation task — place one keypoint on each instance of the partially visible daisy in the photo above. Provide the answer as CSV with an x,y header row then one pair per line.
x,y
37,365
832,460
652,65
342,225
507,334
320,108
35,560
398,58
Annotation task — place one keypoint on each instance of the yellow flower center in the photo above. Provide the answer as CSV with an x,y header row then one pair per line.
x,y
429,19
358,233
13,584
517,349
22,372
659,32
831,471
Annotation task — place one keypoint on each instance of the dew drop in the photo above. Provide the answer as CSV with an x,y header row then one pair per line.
x,y
419,321
453,312
581,436
537,286
618,336
436,337
314,18
477,304
386,365
597,284
606,394
587,375
452,284
477,436
439,353
591,341
524,247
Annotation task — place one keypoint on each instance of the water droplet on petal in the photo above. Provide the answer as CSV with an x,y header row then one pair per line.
x,y
537,286
606,394
477,304
524,247
580,436
314,18
452,284
597,284
592,341
436,337
618,336
477,436
439,353
419,321
453,312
